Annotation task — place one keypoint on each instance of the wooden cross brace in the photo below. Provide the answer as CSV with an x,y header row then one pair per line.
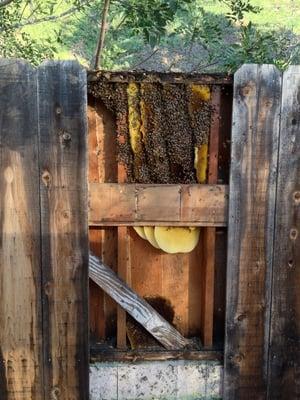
x,y
135,305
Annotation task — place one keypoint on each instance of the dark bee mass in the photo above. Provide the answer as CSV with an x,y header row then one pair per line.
x,y
171,125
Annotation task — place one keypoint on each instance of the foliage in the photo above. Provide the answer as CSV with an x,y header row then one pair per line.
x,y
238,9
230,41
281,47
15,42
198,35
150,18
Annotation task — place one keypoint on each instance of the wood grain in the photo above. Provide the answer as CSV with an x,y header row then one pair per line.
x,y
130,204
209,234
21,356
153,204
63,163
97,318
124,272
170,77
98,354
284,357
136,306
255,133
103,242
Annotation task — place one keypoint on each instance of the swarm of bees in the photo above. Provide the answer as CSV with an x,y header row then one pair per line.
x,y
162,129
162,134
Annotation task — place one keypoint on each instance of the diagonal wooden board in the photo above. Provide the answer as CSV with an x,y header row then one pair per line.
x,y
136,306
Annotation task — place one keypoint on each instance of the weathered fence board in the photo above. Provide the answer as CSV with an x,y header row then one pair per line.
x,y
43,237
255,134
133,204
284,358
20,276
62,124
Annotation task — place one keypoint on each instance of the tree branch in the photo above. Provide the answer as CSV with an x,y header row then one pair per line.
x,y
144,60
103,30
47,18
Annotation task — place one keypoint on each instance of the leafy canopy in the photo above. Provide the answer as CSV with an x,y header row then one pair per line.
x,y
221,41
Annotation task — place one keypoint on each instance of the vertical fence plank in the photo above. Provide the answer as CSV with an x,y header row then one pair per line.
x,y
255,134
284,373
20,280
209,234
63,148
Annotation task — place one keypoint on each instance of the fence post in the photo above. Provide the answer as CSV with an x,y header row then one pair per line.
x,y
64,223
255,135
284,358
21,363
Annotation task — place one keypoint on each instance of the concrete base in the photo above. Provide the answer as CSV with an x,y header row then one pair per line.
x,y
156,380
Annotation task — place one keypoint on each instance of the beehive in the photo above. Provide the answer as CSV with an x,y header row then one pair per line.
x,y
151,130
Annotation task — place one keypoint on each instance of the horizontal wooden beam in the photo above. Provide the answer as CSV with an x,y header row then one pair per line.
x,y
100,354
136,306
160,77
136,204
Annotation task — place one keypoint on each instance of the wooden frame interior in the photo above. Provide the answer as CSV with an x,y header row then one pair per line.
x,y
194,283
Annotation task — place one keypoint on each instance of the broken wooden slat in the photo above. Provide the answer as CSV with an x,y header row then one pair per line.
x,y
21,356
284,357
136,306
131,204
255,133
63,162
209,233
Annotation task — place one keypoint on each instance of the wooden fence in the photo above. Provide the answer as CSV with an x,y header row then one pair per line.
x,y
44,234
262,346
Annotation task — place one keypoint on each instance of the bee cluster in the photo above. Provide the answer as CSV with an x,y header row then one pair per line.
x,y
159,125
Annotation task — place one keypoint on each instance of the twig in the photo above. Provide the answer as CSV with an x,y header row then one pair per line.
x,y
199,66
47,18
145,59
100,44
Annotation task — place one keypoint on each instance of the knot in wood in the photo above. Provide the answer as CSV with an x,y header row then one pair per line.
x,y
241,317
46,178
238,358
55,393
296,197
293,233
48,288
67,136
